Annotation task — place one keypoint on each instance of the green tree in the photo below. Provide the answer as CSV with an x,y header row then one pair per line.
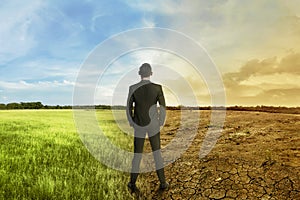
x,y
2,106
14,106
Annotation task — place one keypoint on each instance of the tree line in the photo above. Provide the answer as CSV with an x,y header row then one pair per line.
x,y
30,105
39,105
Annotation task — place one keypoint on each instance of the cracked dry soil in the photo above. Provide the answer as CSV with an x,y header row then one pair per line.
x,y
257,156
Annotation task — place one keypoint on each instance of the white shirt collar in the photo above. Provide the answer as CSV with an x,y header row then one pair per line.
x,y
146,78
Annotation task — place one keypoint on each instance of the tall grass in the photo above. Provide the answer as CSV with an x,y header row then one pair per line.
x,y
42,157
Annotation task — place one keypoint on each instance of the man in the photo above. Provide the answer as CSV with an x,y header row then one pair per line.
x,y
143,116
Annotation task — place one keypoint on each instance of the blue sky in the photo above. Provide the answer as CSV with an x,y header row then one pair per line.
x,y
254,45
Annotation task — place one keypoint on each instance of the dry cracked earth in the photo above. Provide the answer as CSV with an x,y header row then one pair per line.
x,y
257,156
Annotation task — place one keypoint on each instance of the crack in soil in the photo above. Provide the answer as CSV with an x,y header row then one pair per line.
x,y
257,157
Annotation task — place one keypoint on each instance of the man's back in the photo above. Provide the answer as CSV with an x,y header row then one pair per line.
x,y
145,96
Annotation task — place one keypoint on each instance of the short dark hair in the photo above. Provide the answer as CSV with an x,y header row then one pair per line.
x,y
145,70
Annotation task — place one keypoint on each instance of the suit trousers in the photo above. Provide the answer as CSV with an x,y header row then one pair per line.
x,y
139,141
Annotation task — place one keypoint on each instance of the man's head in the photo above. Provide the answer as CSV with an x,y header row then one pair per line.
x,y
145,70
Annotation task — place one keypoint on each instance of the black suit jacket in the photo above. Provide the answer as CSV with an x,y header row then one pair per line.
x,y
142,107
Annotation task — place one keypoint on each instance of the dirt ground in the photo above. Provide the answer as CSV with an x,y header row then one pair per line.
x,y
257,156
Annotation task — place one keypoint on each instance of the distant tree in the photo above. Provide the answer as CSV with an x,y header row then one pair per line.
x,y
2,106
103,107
118,107
58,107
32,105
14,106
38,105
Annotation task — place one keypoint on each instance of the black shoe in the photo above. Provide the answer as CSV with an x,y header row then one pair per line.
x,y
164,186
132,187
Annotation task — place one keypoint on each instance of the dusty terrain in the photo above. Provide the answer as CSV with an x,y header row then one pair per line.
x,y
256,157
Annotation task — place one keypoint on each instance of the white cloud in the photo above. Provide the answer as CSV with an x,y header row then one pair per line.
x,y
15,21
146,22
40,85
166,7
48,92
271,81
38,28
232,31
4,98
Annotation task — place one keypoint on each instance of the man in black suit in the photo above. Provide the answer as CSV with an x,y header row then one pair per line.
x,y
145,117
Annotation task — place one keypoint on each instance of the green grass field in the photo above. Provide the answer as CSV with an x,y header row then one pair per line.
x,y
42,157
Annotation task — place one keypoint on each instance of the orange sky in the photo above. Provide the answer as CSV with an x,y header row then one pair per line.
x,y
254,44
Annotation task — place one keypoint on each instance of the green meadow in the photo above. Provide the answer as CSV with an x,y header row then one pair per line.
x,y
42,157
